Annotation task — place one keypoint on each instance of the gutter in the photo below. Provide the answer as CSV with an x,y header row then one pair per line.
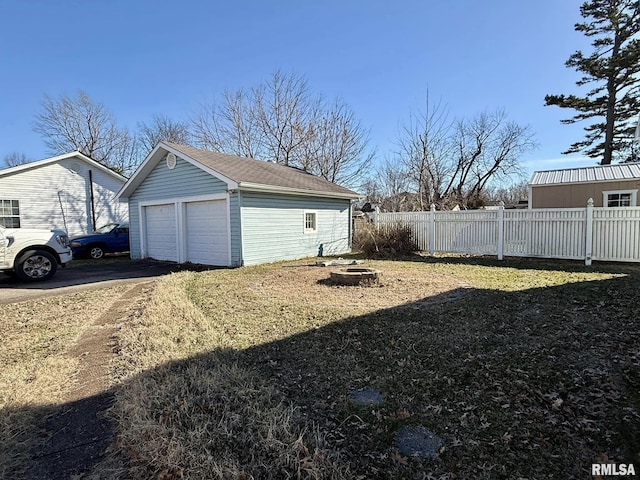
x,y
256,187
584,182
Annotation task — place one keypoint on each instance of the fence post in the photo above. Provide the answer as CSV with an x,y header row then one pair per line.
x,y
589,233
376,217
501,231
432,230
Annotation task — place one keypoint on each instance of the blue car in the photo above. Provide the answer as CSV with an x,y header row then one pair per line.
x,y
112,238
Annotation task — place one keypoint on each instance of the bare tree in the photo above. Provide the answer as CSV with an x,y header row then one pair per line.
x,y
394,184
511,194
267,122
455,163
285,112
371,190
161,129
79,123
487,147
14,159
425,146
335,147
230,126
280,120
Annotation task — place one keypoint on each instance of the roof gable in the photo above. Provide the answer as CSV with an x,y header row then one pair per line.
x,y
590,174
240,173
47,161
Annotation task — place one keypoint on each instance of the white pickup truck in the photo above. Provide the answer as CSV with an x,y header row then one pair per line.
x,y
33,254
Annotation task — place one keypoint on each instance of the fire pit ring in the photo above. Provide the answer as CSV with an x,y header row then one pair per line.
x,y
356,276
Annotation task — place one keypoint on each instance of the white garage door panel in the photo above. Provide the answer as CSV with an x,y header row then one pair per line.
x,y
161,232
206,232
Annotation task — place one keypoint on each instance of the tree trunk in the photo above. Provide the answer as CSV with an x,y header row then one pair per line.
x,y
611,101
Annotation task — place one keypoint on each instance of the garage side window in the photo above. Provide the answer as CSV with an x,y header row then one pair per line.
x,y
10,213
620,198
310,222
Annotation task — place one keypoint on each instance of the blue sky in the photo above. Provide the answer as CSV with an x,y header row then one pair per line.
x,y
141,58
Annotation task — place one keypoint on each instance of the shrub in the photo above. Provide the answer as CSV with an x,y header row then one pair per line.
x,y
395,240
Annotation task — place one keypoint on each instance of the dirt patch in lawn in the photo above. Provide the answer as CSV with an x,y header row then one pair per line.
x,y
397,286
97,346
37,372
79,432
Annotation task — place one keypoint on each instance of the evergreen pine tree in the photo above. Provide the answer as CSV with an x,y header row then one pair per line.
x,y
611,70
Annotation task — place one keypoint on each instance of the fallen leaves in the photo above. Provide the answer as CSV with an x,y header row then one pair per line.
x,y
526,376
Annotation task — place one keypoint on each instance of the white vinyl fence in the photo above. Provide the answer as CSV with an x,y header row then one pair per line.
x,y
591,233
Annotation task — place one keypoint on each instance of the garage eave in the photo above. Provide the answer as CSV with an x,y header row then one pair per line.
x,y
256,187
156,155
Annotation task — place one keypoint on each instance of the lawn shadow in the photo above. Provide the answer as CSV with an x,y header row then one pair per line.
x,y
96,272
537,383
497,374
524,263
78,435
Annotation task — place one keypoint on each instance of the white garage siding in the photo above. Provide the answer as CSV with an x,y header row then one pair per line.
x,y
160,232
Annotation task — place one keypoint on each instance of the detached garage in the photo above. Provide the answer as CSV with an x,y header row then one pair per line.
x,y
192,205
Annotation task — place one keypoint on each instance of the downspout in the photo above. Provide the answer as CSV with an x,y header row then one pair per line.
x,y
240,233
93,206
64,217
351,226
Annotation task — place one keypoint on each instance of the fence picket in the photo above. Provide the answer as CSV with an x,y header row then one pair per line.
x,y
598,233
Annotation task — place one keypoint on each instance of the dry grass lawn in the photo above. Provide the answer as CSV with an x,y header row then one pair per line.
x,y
36,371
525,369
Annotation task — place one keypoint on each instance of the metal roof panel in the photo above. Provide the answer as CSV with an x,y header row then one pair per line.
x,y
597,173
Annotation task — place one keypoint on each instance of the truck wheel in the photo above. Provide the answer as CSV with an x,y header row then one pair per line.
x,y
35,265
96,252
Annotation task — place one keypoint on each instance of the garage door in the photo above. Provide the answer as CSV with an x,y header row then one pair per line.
x,y
207,238
161,232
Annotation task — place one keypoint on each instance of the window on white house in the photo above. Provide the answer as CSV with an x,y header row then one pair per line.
x,y
310,222
10,213
620,198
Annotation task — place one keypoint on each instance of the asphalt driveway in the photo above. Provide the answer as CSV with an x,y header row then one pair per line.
x,y
85,275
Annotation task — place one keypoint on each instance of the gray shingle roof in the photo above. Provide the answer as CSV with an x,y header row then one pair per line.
x,y
245,171
597,173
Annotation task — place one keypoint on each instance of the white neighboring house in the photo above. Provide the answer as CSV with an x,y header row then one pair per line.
x,y
69,192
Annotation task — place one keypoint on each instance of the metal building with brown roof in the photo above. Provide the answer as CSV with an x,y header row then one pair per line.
x,y
609,186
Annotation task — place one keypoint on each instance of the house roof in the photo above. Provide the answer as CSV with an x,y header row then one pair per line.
x,y
47,161
241,173
591,174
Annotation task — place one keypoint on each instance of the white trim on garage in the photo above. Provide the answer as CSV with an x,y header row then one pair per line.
x,y
179,204
229,228
156,156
